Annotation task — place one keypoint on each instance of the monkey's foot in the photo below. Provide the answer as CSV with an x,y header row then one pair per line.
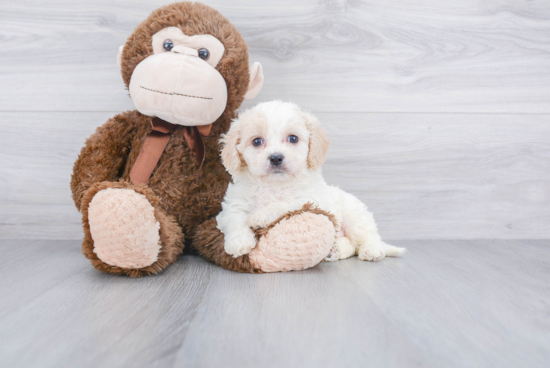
x,y
126,232
298,241
124,228
295,241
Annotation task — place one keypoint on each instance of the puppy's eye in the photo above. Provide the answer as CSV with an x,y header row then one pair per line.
x,y
292,139
257,142
168,45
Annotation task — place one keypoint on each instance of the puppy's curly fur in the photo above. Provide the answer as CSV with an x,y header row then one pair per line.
x,y
274,152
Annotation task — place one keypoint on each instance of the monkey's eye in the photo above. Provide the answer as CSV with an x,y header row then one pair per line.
x,y
292,139
204,54
257,142
168,45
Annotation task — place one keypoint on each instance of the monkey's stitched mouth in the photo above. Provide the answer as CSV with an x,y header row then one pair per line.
x,y
174,93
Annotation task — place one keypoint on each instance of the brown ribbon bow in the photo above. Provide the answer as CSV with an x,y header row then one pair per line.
x,y
156,142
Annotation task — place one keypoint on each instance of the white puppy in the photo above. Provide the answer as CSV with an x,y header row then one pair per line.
x,y
274,152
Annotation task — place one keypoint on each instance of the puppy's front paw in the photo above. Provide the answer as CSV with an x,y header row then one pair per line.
x,y
372,252
240,243
260,219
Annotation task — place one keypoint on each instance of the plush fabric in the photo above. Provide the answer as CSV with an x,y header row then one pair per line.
x,y
171,235
297,243
173,189
256,81
124,228
191,44
182,204
193,19
196,97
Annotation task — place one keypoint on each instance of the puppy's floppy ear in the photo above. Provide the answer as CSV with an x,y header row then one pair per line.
x,y
231,158
318,142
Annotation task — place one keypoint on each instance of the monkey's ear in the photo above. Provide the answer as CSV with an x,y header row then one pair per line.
x,y
119,56
256,81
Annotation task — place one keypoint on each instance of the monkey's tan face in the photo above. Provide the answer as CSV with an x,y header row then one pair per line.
x,y
179,82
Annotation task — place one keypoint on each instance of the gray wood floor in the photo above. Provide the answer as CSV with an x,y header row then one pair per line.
x,y
474,303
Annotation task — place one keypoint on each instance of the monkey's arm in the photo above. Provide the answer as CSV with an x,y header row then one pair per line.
x,y
103,156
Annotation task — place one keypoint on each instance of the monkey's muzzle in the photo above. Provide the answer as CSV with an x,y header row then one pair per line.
x,y
180,89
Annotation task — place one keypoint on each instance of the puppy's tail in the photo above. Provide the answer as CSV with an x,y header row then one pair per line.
x,y
392,251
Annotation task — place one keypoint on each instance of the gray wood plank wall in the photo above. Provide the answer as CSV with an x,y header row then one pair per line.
x,y
439,111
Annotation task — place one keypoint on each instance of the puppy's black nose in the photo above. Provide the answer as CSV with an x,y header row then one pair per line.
x,y
276,159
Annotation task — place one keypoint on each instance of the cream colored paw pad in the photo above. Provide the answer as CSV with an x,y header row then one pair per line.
x,y
124,228
296,243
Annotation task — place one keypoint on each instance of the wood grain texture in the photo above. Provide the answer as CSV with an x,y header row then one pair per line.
x,y
335,55
53,262
37,153
438,110
444,304
456,176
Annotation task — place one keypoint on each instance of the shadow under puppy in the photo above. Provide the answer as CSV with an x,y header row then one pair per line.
x,y
274,152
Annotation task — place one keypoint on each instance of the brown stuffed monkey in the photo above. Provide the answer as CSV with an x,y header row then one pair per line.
x,y
150,181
